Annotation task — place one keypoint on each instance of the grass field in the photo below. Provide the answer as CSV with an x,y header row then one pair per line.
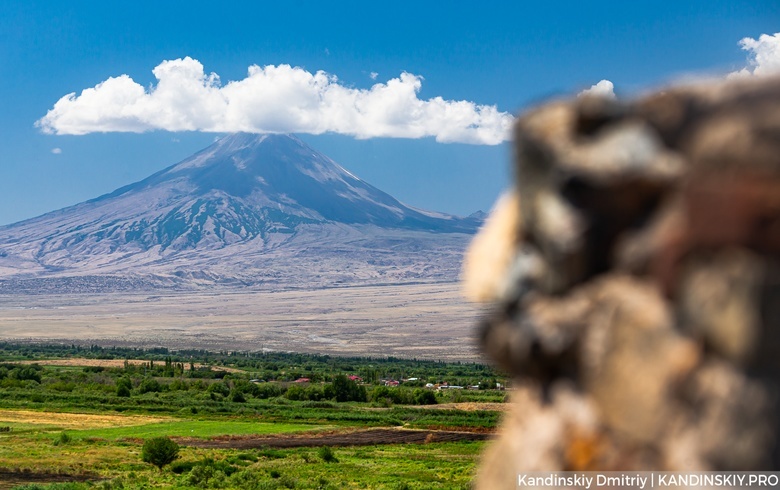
x,y
110,457
435,465
80,422
194,428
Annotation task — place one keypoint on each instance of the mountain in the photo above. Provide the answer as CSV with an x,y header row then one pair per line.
x,y
249,209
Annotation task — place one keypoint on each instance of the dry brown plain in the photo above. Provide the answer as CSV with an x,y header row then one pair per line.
x,y
429,321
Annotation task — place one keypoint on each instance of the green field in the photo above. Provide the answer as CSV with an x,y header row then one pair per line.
x,y
194,428
82,424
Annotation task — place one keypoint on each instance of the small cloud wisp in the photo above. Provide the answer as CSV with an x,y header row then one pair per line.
x,y
604,88
764,57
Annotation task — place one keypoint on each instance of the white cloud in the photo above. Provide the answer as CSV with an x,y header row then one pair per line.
x,y
272,99
764,56
56,151
604,88
373,75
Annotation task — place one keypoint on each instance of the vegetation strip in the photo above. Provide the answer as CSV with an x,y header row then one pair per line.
x,y
117,363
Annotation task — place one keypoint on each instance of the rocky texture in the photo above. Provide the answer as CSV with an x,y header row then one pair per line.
x,y
633,284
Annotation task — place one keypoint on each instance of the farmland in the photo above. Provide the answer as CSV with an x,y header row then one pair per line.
x,y
75,417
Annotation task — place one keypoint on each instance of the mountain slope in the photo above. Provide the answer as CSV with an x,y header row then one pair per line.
x,y
244,209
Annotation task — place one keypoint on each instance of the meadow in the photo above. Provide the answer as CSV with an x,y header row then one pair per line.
x,y
76,417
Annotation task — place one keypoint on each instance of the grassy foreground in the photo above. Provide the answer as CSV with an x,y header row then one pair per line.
x,y
116,464
75,426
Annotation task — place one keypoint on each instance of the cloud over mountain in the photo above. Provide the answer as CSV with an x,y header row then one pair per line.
x,y
273,99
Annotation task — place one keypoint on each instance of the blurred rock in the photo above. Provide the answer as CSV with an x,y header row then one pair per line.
x,y
633,288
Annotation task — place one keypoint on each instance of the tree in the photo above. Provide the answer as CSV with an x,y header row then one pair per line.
x,y
150,385
25,373
220,388
424,397
346,390
123,387
159,451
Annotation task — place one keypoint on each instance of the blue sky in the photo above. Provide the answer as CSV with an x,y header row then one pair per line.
x,y
508,56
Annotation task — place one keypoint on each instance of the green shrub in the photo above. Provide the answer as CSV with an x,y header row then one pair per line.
x,y
26,373
61,386
219,389
123,387
180,467
326,454
424,397
295,392
159,451
201,475
267,390
246,479
63,439
271,454
150,385
245,387
246,457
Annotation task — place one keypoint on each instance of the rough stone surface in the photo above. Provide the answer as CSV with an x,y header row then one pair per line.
x,y
635,288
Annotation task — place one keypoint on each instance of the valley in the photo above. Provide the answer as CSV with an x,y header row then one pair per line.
x,y
272,274
427,321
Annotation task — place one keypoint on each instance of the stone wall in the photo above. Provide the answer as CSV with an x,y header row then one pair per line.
x,y
631,282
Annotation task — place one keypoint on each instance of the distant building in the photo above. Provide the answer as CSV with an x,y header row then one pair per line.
x,y
355,378
303,380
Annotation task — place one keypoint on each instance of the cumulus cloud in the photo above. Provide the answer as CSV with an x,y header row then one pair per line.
x,y
272,99
604,88
373,75
56,151
764,58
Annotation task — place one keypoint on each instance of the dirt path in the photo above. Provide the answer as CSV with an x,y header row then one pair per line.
x,y
368,437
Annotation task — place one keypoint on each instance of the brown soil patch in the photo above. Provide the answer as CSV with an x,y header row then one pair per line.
x,y
76,420
370,437
10,479
116,363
